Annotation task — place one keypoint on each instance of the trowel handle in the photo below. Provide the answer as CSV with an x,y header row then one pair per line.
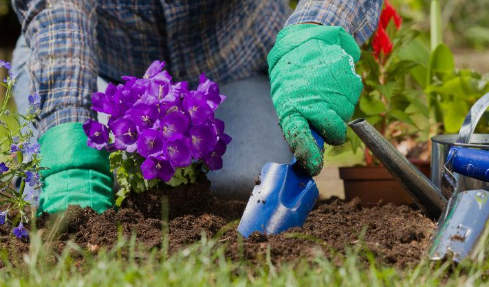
x,y
469,162
319,142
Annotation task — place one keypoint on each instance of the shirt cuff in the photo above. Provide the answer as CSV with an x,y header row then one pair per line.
x,y
359,18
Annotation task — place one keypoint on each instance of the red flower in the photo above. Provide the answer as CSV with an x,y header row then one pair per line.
x,y
389,13
381,42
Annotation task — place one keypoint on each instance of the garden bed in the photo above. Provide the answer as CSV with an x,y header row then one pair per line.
x,y
395,235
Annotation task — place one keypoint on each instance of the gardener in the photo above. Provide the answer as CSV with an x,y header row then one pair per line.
x,y
67,44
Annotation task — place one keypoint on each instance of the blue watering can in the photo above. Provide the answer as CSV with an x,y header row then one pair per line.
x,y
282,199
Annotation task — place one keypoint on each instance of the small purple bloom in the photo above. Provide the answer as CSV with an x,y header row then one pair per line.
x,y
32,178
14,148
20,231
34,148
144,116
3,217
178,152
102,103
126,134
34,100
210,89
150,142
214,159
159,167
203,139
162,77
97,133
198,110
3,168
173,124
5,64
159,91
154,69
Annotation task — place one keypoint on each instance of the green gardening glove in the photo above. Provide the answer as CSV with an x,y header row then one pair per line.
x,y
313,79
76,174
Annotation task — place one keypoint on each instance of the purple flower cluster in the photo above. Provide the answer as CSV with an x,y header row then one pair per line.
x,y
165,122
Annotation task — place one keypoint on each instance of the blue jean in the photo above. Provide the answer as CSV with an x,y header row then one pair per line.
x,y
250,120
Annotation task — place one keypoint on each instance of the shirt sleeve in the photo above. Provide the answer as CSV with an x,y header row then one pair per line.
x,y
63,61
358,17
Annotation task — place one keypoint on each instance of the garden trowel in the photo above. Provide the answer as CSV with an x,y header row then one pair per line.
x,y
283,197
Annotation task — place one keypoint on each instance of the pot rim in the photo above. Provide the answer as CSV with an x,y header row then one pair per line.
x,y
450,139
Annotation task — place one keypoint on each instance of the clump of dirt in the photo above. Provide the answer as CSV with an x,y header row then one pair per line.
x,y
396,235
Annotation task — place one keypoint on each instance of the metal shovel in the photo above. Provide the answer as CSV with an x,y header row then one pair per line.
x,y
283,197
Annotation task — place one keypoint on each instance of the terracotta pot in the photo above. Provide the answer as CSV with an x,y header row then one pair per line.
x,y
374,184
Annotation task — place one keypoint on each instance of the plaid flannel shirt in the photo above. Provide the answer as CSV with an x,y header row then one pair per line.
x,y
74,41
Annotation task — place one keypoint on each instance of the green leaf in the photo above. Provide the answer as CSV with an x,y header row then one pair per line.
x,y
185,175
400,69
371,104
386,89
441,62
370,64
353,139
401,116
454,113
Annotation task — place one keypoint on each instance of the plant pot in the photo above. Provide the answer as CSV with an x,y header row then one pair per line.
x,y
375,184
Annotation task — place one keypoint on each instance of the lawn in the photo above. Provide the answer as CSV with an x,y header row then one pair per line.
x,y
204,264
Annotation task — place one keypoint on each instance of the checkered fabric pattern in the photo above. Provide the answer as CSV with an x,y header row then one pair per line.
x,y
74,41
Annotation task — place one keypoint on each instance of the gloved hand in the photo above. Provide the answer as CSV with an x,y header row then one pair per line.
x,y
76,174
314,83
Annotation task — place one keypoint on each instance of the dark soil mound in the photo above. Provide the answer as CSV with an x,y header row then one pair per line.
x,y
396,235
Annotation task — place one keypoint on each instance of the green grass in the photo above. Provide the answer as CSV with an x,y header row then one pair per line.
x,y
204,264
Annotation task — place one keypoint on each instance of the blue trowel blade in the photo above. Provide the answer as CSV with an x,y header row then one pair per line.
x,y
282,200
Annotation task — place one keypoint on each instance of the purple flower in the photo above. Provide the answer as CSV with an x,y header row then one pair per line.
x,y
158,91
20,231
97,133
102,103
150,142
144,116
14,148
3,168
5,64
214,159
203,138
173,124
162,78
154,69
209,88
126,134
34,148
34,100
198,110
3,217
178,152
159,167
32,178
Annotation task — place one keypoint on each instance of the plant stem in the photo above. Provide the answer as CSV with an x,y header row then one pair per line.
x,y
435,24
20,159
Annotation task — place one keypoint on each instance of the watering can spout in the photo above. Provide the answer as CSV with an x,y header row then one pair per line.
x,y
423,192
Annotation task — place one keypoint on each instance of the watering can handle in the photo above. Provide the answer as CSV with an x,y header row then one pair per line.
x,y
469,162
472,118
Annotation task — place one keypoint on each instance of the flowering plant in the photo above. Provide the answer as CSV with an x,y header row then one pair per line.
x,y
19,160
158,129
389,101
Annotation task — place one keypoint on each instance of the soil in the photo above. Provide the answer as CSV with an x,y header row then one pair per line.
x,y
396,235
